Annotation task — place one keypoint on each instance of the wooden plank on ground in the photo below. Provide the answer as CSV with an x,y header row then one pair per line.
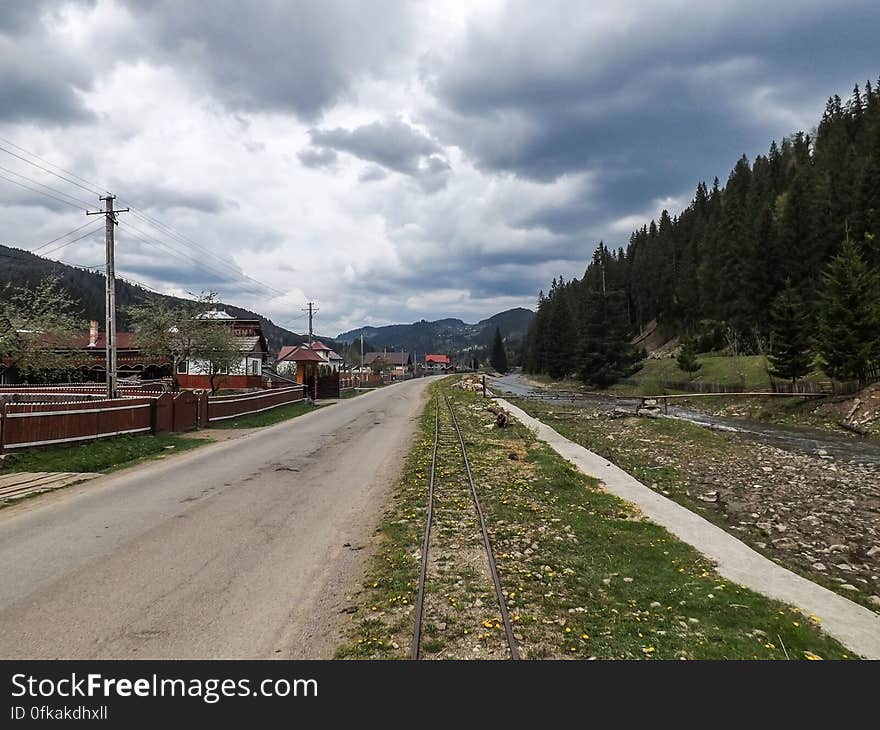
x,y
33,483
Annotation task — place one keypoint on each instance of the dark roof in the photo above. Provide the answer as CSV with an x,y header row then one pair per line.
x,y
124,341
318,345
392,358
291,353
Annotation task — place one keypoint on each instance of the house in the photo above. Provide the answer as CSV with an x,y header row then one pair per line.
x,y
88,362
397,363
247,373
300,363
330,357
437,363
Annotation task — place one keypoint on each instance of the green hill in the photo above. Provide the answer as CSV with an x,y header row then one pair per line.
x,y
21,268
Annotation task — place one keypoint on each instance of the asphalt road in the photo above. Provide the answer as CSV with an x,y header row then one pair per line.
x,y
241,549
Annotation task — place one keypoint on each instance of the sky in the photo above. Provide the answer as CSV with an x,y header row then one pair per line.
x,y
393,161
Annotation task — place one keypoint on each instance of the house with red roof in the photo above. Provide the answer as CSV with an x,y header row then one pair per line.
x,y
89,361
437,363
331,358
300,363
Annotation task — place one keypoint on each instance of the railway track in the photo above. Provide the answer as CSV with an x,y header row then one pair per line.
x,y
481,521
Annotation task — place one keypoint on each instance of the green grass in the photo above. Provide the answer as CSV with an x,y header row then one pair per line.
x,y
652,469
99,456
266,418
717,369
747,370
585,575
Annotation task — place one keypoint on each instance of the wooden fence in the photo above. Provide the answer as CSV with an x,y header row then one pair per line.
x,y
221,407
804,387
31,417
329,386
43,424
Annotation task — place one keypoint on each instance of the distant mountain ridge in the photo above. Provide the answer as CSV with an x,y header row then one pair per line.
x,y
446,335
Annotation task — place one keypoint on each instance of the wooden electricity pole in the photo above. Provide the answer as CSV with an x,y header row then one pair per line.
x,y
110,290
312,310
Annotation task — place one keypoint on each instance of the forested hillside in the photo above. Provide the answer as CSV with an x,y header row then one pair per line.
x,y
23,269
748,262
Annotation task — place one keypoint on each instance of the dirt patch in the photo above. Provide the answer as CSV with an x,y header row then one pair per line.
x,y
862,410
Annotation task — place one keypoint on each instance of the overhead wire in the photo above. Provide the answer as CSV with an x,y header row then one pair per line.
x,y
41,192
160,226
65,235
58,248
45,169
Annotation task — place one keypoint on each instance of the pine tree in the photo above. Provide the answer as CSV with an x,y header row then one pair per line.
x,y
606,352
687,357
849,316
790,325
563,336
499,356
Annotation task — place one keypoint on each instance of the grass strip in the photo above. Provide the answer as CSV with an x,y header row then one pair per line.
x,y
585,575
104,455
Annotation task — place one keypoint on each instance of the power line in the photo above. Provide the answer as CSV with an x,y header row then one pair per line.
x,y
35,190
181,255
79,201
186,241
222,275
45,169
43,245
56,249
160,226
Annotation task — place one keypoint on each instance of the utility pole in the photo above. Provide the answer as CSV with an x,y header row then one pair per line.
x,y
110,293
362,354
312,310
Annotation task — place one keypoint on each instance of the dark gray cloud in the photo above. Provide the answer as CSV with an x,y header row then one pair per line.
x,y
393,144
580,119
372,173
317,157
160,197
38,78
652,97
285,56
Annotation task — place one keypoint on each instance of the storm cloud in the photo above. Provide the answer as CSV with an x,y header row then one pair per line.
x,y
397,160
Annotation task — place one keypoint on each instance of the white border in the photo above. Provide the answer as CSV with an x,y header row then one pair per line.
x,y
248,413
74,438
73,411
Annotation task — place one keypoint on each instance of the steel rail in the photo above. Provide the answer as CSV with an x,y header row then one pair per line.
x,y
493,568
423,572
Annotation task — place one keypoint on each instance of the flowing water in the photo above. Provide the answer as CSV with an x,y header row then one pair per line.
x,y
798,439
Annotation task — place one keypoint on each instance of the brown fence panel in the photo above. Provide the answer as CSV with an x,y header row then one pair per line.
x,y
328,386
42,424
116,418
163,414
186,411
202,410
229,406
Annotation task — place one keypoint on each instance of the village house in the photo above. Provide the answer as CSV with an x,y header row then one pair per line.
x,y
437,363
396,363
195,373
330,357
88,363
299,363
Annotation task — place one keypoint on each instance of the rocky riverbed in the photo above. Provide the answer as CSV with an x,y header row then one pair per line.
x,y
812,512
